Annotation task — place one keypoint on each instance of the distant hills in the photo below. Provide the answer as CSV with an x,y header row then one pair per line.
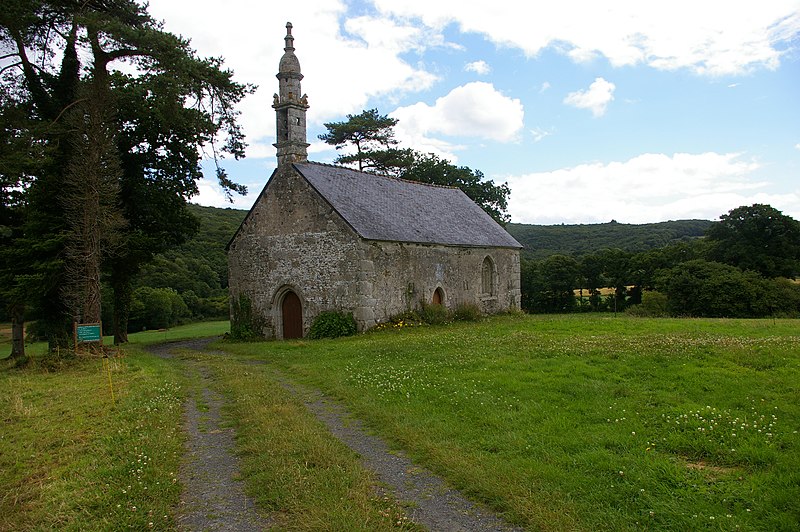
x,y
206,251
200,264
541,241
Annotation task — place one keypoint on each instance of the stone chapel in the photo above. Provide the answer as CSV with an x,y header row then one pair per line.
x,y
322,237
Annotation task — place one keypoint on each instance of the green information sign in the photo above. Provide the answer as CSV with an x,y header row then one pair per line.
x,y
88,332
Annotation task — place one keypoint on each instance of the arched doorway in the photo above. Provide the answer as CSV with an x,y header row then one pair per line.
x,y
292,316
438,297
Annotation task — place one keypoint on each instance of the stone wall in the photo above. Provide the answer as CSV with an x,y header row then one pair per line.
x,y
292,239
406,275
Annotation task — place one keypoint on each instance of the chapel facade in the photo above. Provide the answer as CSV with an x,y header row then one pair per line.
x,y
328,238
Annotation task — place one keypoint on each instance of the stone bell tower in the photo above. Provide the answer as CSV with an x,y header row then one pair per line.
x,y
290,107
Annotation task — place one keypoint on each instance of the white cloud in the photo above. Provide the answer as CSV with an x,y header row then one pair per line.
x,y
539,133
596,98
546,85
351,60
476,109
648,187
711,37
797,146
479,67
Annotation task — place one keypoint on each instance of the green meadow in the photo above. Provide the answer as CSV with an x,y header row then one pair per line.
x,y
583,422
556,422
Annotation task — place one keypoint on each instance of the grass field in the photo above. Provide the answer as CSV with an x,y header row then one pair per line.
x,y
73,459
584,422
193,330
557,422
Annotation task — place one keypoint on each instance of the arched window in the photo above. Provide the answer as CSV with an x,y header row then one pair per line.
x,y
487,277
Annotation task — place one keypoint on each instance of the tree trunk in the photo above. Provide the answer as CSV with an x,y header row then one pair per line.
x,y
18,332
122,308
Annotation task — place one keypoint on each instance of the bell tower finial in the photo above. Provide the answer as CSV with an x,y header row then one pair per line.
x,y
290,107
289,39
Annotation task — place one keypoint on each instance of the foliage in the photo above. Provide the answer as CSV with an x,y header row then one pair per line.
x,y
493,199
332,324
372,136
433,314
548,286
409,318
712,289
244,323
157,308
541,241
580,422
682,271
466,312
654,305
153,124
758,238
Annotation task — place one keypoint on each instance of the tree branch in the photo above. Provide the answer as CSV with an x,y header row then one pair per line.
x,y
8,67
40,95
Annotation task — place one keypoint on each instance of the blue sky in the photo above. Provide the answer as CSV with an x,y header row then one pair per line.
x,y
638,112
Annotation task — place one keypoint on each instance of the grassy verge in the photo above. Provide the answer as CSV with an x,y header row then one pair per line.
x,y
582,422
200,329
71,459
294,468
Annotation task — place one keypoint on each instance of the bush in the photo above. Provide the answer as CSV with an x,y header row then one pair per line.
x,y
244,325
701,288
653,305
467,312
156,308
433,314
332,324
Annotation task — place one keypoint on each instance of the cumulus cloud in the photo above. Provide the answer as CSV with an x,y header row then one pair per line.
x,y
539,133
651,186
479,67
476,109
325,41
596,98
708,37
546,85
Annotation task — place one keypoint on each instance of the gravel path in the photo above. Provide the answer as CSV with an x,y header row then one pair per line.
x,y
213,497
215,501
430,501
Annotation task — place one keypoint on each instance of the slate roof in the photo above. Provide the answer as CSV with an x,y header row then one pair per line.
x,y
385,208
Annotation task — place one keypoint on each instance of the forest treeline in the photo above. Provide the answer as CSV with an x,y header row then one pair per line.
x,y
188,282
542,241
744,266
669,268
185,283
679,267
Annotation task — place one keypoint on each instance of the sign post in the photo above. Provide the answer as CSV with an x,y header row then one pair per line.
x,y
88,333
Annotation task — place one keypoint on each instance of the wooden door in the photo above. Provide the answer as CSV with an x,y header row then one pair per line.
x,y
437,297
292,313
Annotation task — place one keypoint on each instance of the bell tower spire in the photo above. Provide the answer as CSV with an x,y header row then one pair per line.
x,y
290,107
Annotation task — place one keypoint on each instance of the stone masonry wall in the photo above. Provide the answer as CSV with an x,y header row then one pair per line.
x,y
406,275
294,240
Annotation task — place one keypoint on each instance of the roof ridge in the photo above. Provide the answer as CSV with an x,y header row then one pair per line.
x,y
400,179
